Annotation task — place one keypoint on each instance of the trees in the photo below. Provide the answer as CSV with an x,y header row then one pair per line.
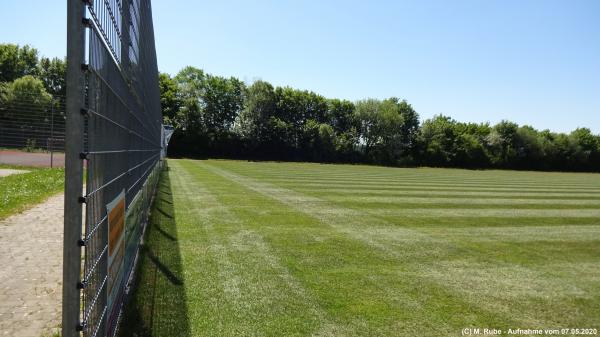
x,y
26,93
223,100
254,119
367,116
405,140
388,129
437,138
53,73
171,102
446,142
296,108
16,62
341,116
529,149
190,87
585,149
501,143
23,102
23,96
221,116
209,103
203,107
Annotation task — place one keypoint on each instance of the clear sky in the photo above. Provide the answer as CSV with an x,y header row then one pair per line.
x,y
532,62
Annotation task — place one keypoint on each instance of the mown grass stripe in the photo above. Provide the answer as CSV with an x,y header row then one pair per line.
x,y
447,194
420,174
458,201
490,212
564,233
428,182
409,187
391,189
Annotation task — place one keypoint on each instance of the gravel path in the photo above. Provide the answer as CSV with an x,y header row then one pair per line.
x,y
31,270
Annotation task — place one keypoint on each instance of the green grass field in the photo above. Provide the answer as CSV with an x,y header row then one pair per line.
x,y
290,249
21,191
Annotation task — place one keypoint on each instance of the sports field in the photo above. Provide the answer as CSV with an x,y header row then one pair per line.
x,y
240,248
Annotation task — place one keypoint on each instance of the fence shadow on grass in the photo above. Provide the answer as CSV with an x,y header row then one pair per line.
x,y
157,306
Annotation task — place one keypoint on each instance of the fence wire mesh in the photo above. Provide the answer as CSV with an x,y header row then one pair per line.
x,y
122,152
32,122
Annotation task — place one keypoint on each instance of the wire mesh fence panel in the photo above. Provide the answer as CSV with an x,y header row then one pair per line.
x,y
32,123
121,151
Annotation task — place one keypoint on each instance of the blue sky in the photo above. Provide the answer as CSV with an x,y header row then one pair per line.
x,y
532,62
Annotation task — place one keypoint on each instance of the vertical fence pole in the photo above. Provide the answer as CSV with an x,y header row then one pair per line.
x,y
73,169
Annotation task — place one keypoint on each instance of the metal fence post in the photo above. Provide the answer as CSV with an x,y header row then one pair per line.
x,y
73,169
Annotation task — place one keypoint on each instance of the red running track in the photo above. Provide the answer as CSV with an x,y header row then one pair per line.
x,y
40,159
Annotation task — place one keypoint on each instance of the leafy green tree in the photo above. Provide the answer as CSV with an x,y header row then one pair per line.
x,y
388,129
529,149
340,115
254,119
367,115
446,142
16,62
170,101
22,102
296,108
53,73
409,127
27,94
319,141
223,100
470,151
501,143
191,86
390,126
585,148
326,141
437,141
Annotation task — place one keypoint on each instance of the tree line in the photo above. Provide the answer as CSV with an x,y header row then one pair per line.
x,y
29,83
32,94
22,68
216,116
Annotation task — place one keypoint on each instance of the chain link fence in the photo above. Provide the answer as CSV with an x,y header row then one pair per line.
x,y
121,145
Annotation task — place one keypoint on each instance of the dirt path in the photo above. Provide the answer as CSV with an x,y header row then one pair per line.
x,y
31,270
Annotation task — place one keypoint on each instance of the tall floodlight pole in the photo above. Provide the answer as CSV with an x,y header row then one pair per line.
x,y
73,169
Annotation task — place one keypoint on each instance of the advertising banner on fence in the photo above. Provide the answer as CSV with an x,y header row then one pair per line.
x,y
116,251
